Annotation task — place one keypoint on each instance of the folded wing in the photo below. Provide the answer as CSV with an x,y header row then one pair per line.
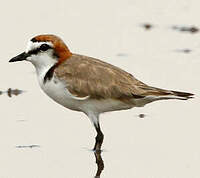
x,y
86,76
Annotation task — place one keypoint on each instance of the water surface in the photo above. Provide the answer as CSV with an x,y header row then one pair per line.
x,y
163,144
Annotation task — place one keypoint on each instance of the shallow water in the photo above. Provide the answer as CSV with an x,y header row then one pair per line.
x,y
41,139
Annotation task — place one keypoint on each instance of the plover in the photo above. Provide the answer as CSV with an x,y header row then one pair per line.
x,y
86,84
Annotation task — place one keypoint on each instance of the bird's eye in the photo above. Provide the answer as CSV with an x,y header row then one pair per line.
x,y
44,47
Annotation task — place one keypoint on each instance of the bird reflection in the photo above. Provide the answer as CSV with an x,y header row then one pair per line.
x,y
99,162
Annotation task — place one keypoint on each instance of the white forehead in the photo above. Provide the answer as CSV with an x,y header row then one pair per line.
x,y
34,45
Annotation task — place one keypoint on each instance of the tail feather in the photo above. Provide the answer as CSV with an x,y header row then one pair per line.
x,y
166,94
152,94
184,95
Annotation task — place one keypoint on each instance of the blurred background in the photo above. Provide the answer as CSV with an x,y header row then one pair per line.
x,y
157,41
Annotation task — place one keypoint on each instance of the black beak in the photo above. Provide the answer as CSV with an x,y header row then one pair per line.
x,y
20,57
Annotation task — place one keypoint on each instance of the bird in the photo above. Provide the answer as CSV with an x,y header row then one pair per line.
x,y
87,84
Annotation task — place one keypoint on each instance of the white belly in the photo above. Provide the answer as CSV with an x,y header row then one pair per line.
x,y
59,93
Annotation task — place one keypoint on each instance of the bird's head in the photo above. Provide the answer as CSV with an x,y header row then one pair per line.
x,y
44,51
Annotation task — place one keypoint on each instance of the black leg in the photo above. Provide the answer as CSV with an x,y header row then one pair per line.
x,y
99,162
99,138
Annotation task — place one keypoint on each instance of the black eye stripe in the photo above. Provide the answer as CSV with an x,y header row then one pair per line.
x,y
43,47
34,51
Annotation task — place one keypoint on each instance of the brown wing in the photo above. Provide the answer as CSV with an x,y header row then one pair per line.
x,y
86,76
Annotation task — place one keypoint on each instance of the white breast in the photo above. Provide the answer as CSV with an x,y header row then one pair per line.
x,y
57,90
54,88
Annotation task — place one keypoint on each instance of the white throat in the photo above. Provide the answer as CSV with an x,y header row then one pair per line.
x,y
42,62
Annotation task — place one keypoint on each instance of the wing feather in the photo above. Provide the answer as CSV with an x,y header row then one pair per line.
x,y
89,77
86,76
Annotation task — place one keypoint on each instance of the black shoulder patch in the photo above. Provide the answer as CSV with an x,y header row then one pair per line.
x,y
49,74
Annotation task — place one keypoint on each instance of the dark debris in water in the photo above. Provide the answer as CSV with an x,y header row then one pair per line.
x,y
28,146
14,92
147,26
142,116
186,50
10,92
191,29
122,54
21,120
